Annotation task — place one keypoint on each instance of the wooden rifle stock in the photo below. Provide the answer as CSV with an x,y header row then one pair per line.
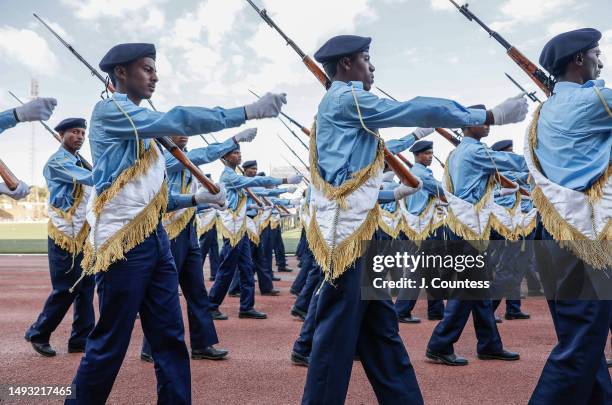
x,y
528,67
405,160
316,70
8,177
447,135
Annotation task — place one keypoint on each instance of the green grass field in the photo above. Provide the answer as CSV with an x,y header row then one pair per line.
x,y
32,238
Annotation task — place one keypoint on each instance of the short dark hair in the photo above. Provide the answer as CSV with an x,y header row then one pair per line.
x,y
331,68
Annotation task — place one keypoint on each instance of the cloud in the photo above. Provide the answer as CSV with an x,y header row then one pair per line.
x,y
27,48
94,9
529,11
441,5
562,26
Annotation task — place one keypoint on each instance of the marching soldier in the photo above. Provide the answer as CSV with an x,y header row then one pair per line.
x,y
35,110
69,184
568,151
346,167
182,233
236,252
207,236
469,186
128,249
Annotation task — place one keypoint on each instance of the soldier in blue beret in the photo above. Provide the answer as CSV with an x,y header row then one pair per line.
x,y
69,184
128,249
570,142
346,187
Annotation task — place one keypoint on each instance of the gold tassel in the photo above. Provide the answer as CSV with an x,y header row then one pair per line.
x,y
203,229
596,191
392,232
176,226
69,244
233,238
129,236
347,252
497,226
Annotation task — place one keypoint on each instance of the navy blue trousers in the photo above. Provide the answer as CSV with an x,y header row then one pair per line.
x,y
260,267
63,276
237,258
456,315
345,325
406,303
313,279
576,371
188,261
305,266
278,246
512,261
303,344
145,282
209,245
302,244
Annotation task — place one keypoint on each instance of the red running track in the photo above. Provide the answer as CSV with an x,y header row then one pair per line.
x,y
258,369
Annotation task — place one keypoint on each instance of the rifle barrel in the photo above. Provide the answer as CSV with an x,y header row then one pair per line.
x,y
8,177
293,152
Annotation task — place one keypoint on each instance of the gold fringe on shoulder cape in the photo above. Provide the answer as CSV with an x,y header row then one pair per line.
x,y
177,225
347,252
422,235
595,253
71,245
130,235
393,232
202,229
79,193
335,262
458,227
233,238
274,224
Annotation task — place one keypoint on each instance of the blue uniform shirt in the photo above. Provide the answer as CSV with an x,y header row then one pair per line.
x,y
344,147
508,201
7,120
417,202
234,183
383,196
471,163
178,177
61,172
260,191
575,134
112,138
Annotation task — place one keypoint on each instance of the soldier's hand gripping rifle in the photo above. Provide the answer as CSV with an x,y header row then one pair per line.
x,y
8,177
166,142
400,170
86,164
541,79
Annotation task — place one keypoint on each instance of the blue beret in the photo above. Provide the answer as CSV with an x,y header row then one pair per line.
x,y
421,146
71,123
249,163
501,145
556,53
342,45
125,53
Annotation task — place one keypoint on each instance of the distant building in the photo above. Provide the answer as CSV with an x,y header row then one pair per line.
x,y
32,208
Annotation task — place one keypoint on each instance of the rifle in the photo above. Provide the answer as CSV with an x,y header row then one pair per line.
x,y
293,152
400,170
259,201
296,170
294,122
86,164
165,141
8,177
532,96
541,79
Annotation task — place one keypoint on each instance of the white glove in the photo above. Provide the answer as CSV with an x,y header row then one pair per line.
x,y
39,109
295,201
203,196
246,136
403,191
219,207
290,189
268,106
388,176
511,111
294,179
21,191
421,133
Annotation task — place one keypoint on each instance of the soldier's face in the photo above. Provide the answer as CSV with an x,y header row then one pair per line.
x,y
425,158
591,63
250,171
364,70
139,78
73,139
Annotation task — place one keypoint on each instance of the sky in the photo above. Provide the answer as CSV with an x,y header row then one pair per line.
x,y
210,52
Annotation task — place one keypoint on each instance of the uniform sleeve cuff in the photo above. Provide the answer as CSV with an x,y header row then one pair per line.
x,y
477,117
235,116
